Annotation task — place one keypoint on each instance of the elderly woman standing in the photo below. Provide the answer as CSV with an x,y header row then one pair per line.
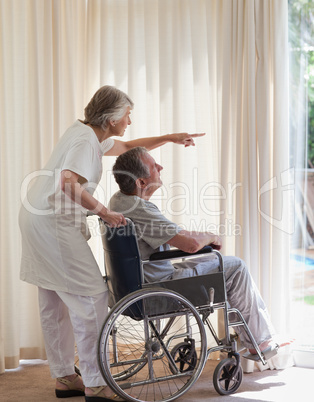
x,y
56,257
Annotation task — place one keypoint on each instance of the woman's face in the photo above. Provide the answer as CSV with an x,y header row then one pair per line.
x,y
121,125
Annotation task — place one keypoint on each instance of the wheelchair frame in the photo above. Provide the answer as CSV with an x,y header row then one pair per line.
x,y
153,343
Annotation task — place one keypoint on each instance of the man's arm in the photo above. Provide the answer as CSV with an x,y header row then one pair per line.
x,y
191,242
150,143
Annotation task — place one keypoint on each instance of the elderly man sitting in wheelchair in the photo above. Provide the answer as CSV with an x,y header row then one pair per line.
x,y
138,177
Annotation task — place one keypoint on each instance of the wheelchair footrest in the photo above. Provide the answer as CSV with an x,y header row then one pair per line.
x,y
267,354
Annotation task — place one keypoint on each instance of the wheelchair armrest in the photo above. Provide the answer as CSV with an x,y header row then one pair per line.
x,y
176,253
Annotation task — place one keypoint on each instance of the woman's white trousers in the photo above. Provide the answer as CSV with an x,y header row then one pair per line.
x,y
67,319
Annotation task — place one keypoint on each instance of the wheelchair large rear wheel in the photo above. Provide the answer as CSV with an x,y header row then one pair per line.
x,y
136,344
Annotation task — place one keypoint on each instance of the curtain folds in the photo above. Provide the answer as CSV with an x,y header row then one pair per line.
x,y
214,66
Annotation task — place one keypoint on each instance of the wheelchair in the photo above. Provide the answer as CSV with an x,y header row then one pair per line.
x,y
153,343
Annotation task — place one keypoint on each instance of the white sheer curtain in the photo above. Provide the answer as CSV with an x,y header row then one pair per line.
x,y
214,66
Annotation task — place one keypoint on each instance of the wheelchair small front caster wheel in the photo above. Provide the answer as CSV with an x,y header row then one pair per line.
x,y
226,378
185,357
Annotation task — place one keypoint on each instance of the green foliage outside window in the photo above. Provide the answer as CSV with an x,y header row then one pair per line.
x,y
301,39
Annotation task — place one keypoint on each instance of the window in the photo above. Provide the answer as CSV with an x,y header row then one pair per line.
x,y
301,42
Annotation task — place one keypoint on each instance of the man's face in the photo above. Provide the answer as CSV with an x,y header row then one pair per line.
x,y
153,182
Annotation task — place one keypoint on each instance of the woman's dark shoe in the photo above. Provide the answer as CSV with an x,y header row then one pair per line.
x,y
75,388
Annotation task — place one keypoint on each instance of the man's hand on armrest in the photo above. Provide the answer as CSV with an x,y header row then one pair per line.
x,y
191,242
176,253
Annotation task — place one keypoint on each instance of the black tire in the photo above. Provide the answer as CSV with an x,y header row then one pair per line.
x,y
225,382
185,356
142,346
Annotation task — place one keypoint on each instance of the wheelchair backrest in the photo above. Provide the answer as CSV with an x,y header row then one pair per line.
x,y
122,260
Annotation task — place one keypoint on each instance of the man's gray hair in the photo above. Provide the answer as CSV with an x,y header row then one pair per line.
x,y
129,167
107,104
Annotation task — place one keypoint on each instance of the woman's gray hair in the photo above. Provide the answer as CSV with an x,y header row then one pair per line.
x,y
129,167
108,104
